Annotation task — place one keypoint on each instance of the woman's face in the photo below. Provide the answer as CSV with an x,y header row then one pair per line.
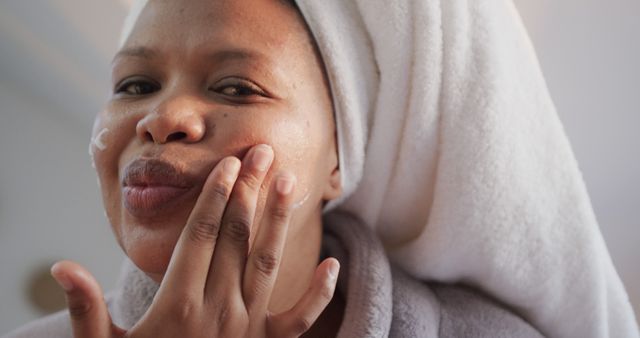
x,y
197,81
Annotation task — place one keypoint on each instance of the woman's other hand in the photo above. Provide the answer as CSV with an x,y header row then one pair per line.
x,y
214,285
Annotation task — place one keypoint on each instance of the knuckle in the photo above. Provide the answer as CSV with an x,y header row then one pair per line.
x,y
300,325
238,228
184,309
223,314
221,191
230,317
204,229
251,180
266,262
79,309
280,212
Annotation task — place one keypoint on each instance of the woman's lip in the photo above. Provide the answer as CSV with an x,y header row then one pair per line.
x,y
149,201
155,172
151,185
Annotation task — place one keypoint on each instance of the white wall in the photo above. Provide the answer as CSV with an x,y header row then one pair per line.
x,y
54,68
589,52
49,203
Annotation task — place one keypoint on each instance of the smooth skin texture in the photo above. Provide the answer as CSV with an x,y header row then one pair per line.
x,y
199,83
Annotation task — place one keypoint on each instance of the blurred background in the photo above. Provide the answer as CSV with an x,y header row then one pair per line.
x,y
54,77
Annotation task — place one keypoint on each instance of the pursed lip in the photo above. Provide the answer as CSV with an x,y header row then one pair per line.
x,y
149,186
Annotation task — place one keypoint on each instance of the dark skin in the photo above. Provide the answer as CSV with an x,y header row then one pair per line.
x,y
213,89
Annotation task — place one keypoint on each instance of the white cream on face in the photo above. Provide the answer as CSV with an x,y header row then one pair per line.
x,y
99,143
301,202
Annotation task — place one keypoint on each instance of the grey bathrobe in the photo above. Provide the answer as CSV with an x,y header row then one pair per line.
x,y
381,300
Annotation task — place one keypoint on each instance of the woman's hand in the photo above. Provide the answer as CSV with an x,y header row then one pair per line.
x,y
213,286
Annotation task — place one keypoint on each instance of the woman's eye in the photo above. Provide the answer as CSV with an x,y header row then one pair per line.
x,y
239,89
137,87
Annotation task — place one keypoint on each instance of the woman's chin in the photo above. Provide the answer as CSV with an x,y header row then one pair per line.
x,y
149,242
151,251
153,264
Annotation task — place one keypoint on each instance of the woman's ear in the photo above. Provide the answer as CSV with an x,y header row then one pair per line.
x,y
333,188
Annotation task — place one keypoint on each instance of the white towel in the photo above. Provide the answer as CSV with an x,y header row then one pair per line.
x,y
452,151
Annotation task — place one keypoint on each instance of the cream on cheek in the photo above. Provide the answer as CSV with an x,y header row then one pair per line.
x,y
302,151
302,201
98,143
112,131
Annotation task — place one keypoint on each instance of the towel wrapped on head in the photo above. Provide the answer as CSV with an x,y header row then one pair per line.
x,y
450,148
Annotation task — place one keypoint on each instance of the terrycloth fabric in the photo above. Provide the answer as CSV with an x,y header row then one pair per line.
x,y
381,300
452,152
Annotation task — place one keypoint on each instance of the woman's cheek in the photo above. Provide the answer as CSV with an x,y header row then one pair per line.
x,y
108,140
296,148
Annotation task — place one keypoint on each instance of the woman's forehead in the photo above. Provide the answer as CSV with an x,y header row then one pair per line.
x,y
260,23
265,37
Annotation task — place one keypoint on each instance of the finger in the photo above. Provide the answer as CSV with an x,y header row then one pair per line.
x,y
87,309
187,272
301,317
229,258
264,260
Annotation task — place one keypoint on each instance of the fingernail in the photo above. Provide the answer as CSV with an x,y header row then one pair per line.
x,y
231,166
284,184
333,270
62,279
262,156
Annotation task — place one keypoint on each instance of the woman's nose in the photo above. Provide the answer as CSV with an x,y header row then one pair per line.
x,y
177,119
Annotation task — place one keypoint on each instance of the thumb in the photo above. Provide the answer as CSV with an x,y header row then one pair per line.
x,y
87,309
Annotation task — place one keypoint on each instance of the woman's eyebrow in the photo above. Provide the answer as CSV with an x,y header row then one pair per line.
x,y
138,52
236,54
218,56
240,54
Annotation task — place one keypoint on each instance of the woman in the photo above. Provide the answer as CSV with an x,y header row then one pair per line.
x,y
217,157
